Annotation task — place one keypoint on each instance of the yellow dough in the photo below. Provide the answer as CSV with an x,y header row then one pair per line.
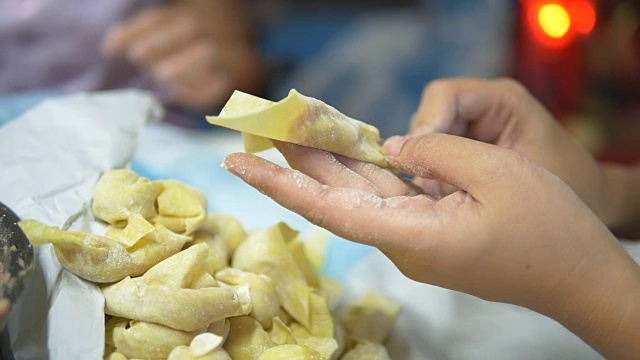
x,y
102,259
264,298
143,340
300,120
290,351
205,346
218,251
367,351
165,294
120,193
370,317
247,339
280,333
227,228
325,346
266,252
180,208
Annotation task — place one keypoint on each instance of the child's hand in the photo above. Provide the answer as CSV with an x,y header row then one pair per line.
x,y
513,232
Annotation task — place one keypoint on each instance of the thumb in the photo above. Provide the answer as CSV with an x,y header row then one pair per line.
x,y
467,164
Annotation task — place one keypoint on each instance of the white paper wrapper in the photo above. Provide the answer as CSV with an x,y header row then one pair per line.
x,y
51,158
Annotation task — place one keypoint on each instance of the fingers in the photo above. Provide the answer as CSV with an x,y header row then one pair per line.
x,y
324,167
121,37
339,171
350,213
469,165
152,45
186,64
480,109
150,35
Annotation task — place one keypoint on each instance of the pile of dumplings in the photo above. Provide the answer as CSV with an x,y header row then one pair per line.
x,y
179,283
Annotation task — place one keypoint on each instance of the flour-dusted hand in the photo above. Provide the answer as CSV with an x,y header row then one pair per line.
x,y
200,51
514,233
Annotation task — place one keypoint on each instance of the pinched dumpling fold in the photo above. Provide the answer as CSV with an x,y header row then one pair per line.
x,y
144,340
367,350
266,252
120,193
290,351
180,207
166,294
102,259
300,120
247,339
205,346
264,298
370,317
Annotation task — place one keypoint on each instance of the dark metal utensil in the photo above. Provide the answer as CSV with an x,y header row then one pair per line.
x,y
16,261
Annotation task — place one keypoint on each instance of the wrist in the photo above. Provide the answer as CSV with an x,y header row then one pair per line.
x,y
600,303
621,198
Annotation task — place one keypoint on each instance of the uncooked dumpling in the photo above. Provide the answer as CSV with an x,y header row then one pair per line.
x,y
266,252
102,259
290,351
367,351
264,298
247,339
143,340
300,120
370,317
181,208
120,193
167,295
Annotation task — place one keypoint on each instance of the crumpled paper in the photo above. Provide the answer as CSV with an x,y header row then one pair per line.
x,y
51,157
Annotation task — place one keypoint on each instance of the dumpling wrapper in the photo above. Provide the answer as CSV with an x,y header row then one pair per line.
x,y
247,339
290,351
280,333
325,346
300,120
370,317
102,259
181,208
367,351
166,294
205,346
266,252
143,340
120,193
264,298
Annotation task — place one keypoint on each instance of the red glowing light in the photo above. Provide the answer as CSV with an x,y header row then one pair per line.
x,y
583,15
554,20
555,23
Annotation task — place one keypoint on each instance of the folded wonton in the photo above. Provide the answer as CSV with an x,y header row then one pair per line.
x,y
300,120
143,340
172,294
266,252
102,259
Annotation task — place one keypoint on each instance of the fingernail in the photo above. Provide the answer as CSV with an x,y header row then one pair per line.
x,y
393,145
226,165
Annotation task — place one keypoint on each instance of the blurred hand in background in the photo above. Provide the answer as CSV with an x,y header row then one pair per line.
x,y
198,51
